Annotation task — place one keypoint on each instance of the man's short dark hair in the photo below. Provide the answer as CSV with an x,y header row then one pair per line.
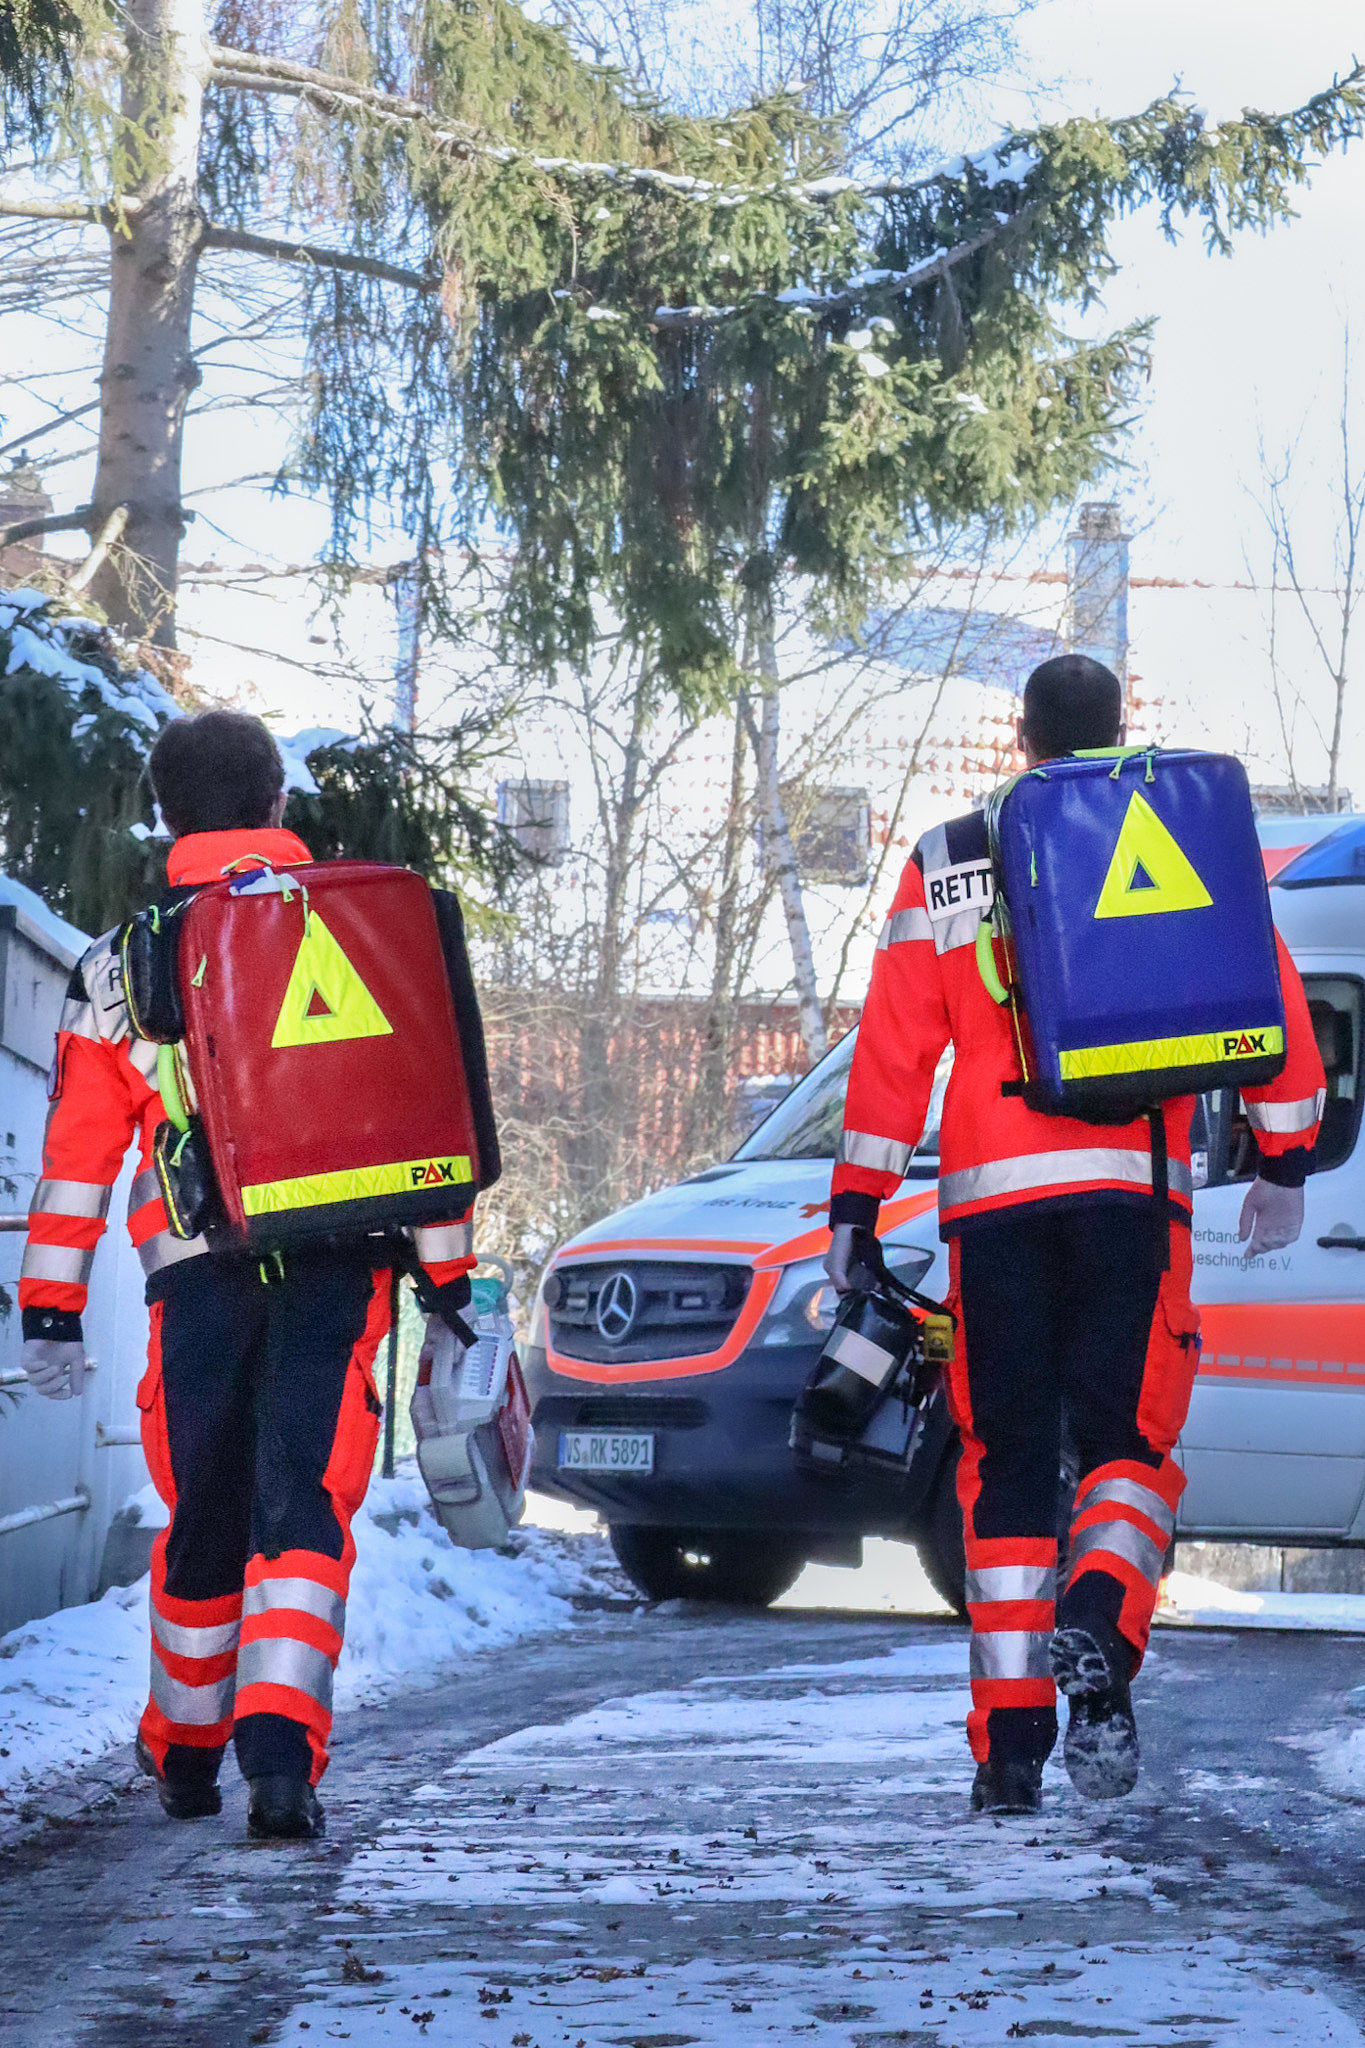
x,y
1072,702
216,771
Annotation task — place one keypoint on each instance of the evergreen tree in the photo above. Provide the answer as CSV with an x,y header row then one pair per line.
x,y
657,355
77,723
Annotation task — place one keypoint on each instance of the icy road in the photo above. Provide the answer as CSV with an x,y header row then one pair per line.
x,y
665,1829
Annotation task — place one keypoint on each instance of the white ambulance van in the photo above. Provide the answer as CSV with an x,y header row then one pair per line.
x,y
669,1341
1274,1447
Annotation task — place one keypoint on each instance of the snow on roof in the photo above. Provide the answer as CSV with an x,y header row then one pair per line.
x,y
65,941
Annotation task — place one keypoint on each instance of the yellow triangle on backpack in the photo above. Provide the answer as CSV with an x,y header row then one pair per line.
x,y
326,1001
1148,872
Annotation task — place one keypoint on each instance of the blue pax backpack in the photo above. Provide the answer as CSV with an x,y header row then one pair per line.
x,y
1132,900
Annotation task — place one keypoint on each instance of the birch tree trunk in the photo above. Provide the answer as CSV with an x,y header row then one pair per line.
x,y
148,372
779,853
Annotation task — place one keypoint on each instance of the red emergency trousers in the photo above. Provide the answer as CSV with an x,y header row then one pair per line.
x,y
259,1422
1048,1320
1067,1327
258,1405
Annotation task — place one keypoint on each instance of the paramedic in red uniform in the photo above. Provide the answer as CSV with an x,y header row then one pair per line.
x,y
1070,1303
259,1410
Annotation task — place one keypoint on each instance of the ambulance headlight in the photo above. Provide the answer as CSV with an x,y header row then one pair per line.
x,y
802,1309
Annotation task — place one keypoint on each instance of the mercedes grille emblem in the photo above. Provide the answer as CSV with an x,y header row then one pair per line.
x,y
617,1302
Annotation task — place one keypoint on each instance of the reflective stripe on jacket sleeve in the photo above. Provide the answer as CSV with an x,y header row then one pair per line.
x,y
91,1123
1286,1112
903,1032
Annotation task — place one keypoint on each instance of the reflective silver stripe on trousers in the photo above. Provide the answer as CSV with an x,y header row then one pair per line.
x,y
1010,1653
1286,1117
184,1640
305,1596
191,1706
164,1250
1130,1493
146,1187
1012,1582
277,1660
904,925
1056,1170
56,1262
882,1155
860,1355
70,1198
437,1241
1121,1539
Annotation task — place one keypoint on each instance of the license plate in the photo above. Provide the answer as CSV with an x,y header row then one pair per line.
x,y
605,1450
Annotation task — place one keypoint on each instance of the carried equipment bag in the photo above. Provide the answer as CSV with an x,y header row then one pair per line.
x,y
1132,923
471,1417
316,1076
863,1403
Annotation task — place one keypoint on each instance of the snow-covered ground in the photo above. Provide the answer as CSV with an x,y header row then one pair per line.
x,y
818,1809
73,1685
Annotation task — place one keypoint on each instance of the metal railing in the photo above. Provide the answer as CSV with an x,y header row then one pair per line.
x,y
47,1511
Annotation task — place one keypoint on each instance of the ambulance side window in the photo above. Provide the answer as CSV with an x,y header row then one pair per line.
x,y
1336,1004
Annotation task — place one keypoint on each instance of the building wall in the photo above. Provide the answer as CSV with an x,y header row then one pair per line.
x,y
52,1451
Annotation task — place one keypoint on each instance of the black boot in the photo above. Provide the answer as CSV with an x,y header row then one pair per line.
x,y
187,1797
283,1808
1101,1747
1008,1785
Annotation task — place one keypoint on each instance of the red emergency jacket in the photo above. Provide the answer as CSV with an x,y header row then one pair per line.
x,y
994,1151
104,1095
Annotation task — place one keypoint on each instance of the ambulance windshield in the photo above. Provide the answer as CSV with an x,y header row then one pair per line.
x,y
1340,858
807,1122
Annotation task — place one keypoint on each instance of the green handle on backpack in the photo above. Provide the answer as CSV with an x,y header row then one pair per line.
x,y
168,1082
985,963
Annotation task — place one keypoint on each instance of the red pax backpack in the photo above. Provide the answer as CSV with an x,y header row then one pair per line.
x,y
312,1063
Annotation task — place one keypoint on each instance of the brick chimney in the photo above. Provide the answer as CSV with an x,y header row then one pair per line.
x,y
1097,588
22,497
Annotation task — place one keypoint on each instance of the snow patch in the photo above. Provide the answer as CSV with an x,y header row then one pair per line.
x,y
1202,1601
1339,1759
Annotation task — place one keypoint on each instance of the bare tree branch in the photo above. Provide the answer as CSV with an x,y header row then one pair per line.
x,y
311,253
54,522
72,210
108,534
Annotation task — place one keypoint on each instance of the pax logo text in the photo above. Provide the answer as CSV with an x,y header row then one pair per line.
x,y
433,1173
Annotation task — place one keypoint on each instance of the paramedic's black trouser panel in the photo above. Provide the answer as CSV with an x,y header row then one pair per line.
x,y
1065,1312
259,1422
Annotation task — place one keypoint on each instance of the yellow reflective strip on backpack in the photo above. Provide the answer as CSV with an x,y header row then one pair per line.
x,y
1144,1055
355,1184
